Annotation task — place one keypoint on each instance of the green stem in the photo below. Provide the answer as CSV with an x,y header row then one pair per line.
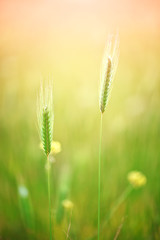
x,y
99,179
69,226
116,206
49,198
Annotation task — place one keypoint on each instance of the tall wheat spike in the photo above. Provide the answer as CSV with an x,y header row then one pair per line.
x,y
109,66
105,89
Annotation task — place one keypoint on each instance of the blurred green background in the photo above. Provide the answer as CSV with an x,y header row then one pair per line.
x,y
71,55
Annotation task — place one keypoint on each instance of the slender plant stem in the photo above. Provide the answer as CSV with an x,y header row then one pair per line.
x,y
99,179
115,207
69,218
49,198
119,201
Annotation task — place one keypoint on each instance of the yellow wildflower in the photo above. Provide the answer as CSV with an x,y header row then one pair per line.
x,y
67,204
41,145
136,179
55,147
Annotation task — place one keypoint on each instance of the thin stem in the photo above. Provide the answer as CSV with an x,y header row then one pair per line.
x,y
69,226
49,198
116,206
99,179
119,201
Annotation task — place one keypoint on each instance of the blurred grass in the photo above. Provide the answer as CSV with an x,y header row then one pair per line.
x,y
130,136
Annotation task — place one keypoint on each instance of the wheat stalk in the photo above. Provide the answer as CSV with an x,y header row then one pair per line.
x,y
45,121
109,66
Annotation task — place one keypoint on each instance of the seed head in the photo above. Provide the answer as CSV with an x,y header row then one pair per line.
x,y
46,117
109,66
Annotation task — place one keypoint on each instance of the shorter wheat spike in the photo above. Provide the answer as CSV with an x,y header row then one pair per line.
x,y
46,134
45,117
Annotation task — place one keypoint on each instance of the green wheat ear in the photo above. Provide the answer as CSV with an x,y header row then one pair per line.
x,y
45,117
109,66
104,94
46,133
